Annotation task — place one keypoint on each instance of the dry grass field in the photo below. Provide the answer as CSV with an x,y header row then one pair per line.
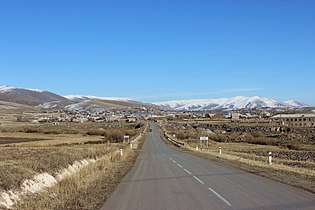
x,y
83,160
247,146
87,189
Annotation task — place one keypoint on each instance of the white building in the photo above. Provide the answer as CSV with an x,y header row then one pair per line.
x,y
296,120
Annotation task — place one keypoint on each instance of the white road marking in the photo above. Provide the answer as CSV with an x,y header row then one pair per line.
x,y
173,160
187,171
198,180
219,196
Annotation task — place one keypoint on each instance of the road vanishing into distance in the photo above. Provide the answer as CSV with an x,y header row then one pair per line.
x,y
164,178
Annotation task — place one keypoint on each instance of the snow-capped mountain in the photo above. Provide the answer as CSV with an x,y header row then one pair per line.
x,y
93,103
238,102
85,97
48,100
292,103
11,89
28,96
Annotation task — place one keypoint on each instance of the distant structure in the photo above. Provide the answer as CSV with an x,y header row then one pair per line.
x,y
235,117
294,120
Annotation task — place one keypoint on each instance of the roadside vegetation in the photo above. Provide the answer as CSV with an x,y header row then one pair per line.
x,y
84,158
90,187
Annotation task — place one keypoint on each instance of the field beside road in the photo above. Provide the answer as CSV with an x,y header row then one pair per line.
x,y
68,166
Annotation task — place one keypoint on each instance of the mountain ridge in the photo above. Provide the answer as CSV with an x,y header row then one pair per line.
x,y
43,99
238,102
47,100
84,97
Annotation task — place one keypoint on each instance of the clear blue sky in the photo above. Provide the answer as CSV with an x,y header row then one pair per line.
x,y
160,50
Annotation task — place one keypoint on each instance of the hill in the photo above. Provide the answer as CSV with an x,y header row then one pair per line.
x,y
25,96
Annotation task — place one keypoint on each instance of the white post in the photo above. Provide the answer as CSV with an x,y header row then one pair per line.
x,y
121,152
197,148
130,145
220,151
270,158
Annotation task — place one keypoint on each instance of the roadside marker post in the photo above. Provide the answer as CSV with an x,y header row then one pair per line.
x,y
220,150
270,158
121,152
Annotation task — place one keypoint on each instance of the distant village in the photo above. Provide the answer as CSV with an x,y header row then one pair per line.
x,y
82,116
276,117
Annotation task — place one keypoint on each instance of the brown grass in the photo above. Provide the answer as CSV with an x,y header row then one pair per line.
x,y
22,155
69,127
87,189
74,191
20,163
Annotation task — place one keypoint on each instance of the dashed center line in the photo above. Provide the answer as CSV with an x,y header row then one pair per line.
x,y
199,180
219,196
179,165
187,171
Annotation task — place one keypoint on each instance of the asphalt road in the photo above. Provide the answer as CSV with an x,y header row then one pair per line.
x,y
164,178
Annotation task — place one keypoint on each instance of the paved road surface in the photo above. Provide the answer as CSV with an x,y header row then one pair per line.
x,y
163,178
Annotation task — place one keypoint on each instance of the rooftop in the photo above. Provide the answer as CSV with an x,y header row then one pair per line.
x,y
293,116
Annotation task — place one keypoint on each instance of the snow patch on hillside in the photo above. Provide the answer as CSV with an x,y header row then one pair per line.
x,y
9,89
77,106
48,105
6,89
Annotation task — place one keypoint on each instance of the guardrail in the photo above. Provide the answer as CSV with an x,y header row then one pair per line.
x,y
173,140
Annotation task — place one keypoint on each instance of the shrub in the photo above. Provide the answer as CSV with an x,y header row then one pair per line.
x,y
114,135
182,135
264,141
219,138
186,134
293,147
32,129
97,132
52,132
